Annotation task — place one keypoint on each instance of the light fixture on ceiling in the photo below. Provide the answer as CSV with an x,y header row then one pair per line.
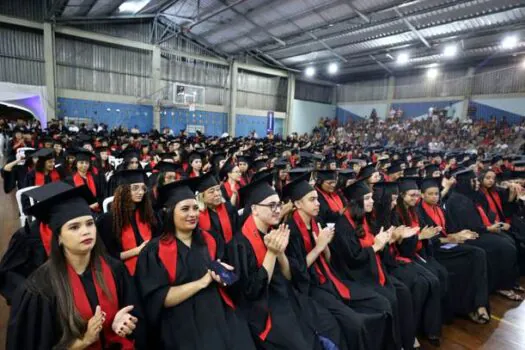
x,y
333,68
523,64
509,42
403,58
432,73
450,51
309,72
132,6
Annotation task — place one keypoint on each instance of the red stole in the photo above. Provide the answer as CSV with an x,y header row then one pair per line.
x,y
168,251
79,181
436,215
494,201
367,241
193,174
242,181
46,235
129,241
484,216
250,231
224,220
341,288
414,222
229,189
334,201
40,178
108,304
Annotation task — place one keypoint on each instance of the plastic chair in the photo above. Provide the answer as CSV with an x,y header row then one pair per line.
x,y
106,203
18,196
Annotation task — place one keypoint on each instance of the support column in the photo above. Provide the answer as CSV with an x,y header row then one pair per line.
x,y
157,88
390,94
290,96
469,83
233,97
49,67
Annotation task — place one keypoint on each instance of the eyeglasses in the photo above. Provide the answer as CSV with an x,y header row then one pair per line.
x,y
137,188
272,206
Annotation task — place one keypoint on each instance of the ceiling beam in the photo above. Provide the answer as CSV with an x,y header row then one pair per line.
x,y
359,13
381,64
215,13
56,5
87,19
159,6
412,28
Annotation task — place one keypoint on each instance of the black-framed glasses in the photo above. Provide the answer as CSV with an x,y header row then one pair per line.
x,y
272,206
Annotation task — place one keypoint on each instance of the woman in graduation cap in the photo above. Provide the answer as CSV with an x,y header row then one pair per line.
x,y
357,255
463,214
44,171
230,175
188,304
102,161
279,316
194,165
312,272
80,298
332,205
83,175
131,223
467,265
15,170
243,162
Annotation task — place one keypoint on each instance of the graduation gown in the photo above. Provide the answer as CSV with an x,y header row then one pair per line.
x,y
30,179
34,319
466,265
24,255
98,190
15,178
202,322
330,204
361,329
221,223
278,315
502,266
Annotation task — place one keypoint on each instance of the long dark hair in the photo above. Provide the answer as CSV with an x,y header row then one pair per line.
x,y
358,214
382,209
403,210
52,277
40,165
123,209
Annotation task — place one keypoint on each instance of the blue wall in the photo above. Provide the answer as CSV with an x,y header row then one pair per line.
x,y
112,114
244,124
418,109
343,116
215,123
485,112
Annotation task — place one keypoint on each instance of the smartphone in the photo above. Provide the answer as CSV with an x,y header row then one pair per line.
x,y
228,277
449,246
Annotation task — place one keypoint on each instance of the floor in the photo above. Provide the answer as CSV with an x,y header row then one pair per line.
x,y
506,331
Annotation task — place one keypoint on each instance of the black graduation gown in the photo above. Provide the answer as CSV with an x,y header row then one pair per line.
x,y
216,228
361,330
202,322
502,266
14,179
34,319
295,318
467,271
24,255
98,185
355,262
326,215
31,175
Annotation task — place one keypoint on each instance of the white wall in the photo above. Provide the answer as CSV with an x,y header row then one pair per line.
x,y
364,109
305,115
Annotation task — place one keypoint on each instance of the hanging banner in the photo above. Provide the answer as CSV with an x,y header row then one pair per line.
x,y
270,122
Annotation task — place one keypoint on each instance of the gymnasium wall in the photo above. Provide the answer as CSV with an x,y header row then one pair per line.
x,y
245,123
306,114
512,108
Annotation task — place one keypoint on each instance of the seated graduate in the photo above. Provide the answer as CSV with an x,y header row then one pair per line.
x,y
467,265
230,176
187,303
131,223
29,247
44,171
217,216
102,162
370,174
83,175
15,170
357,255
463,213
279,316
80,298
243,161
312,273
164,173
332,205
195,166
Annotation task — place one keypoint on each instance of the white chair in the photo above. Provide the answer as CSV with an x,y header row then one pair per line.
x,y
18,196
240,211
109,175
106,203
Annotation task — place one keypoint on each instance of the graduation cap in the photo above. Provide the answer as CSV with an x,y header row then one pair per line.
x,y
395,167
428,183
100,149
367,171
128,177
296,173
194,156
164,166
173,193
298,188
205,182
259,164
407,184
357,190
227,168
43,153
256,191
495,159
326,175
129,153
411,172
58,203
384,188
464,174
217,157
430,169
83,155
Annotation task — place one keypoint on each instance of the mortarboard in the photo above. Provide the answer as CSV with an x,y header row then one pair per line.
x,y
356,190
256,191
298,188
173,193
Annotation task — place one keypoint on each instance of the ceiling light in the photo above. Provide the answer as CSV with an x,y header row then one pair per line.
x,y
333,68
432,73
132,6
402,58
450,51
509,42
310,71
523,64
